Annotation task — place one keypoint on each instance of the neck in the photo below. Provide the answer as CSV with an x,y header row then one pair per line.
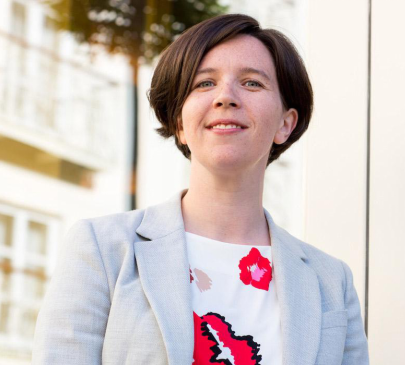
x,y
226,209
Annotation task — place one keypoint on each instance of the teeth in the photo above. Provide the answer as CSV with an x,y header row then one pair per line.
x,y
226,126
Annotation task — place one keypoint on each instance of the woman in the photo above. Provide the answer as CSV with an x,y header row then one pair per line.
x,y
207,276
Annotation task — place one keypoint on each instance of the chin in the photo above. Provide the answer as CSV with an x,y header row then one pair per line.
x,y
228,164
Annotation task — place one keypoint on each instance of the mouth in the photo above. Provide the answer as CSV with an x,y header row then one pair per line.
x,y
226,124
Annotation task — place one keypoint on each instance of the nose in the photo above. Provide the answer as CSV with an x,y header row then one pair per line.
x,y
226,97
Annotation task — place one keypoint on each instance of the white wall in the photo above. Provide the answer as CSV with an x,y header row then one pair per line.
x,y
162,170
336,153
336,141
387,203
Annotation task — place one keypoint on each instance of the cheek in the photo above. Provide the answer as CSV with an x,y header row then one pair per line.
x,y
193,113
270,113
194,106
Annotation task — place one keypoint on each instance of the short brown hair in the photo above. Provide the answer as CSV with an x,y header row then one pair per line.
x,y
173,76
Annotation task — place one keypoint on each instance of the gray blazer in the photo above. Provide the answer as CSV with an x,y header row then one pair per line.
x,y
121,295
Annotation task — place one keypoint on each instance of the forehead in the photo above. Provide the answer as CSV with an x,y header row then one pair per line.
x,y
240,51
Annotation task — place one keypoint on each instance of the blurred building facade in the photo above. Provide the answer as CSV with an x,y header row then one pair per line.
x,y
66,140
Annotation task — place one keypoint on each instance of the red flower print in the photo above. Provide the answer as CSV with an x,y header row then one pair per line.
x,y
255,270
216,343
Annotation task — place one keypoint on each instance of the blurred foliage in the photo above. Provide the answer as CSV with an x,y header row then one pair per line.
x,y
137,28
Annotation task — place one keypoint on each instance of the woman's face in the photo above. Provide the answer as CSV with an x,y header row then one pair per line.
x,y
235,83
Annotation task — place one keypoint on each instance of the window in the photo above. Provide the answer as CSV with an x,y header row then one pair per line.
x,y
47,75
19,23
27,243
16,69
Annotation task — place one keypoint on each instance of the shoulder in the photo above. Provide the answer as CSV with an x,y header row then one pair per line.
x,y
332,272
114,227
321,261
334,275
109,228
110,237
107,242
318,260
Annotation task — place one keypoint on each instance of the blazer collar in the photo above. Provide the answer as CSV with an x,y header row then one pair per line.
x,y
162,219
163,268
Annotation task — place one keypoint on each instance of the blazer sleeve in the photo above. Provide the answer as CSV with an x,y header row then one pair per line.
x,y
72,320
356,345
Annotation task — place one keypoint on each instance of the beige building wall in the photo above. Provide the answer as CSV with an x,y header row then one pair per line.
x,y
336,142
387,176
340,196
161,168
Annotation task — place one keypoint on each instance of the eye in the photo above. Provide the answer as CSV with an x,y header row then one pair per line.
x,y
252,83
205,83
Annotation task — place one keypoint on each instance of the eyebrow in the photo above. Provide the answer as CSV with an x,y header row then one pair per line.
x,y
243,70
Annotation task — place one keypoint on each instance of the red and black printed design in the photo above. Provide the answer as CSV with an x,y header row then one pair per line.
x,y
216,343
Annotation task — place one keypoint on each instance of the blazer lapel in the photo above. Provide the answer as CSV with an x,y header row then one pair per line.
x,y
299,297
164,272
163,268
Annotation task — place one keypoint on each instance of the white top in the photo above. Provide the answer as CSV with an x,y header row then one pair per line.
x,y
235,305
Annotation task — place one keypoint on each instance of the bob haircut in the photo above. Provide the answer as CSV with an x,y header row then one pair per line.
x,y
175,71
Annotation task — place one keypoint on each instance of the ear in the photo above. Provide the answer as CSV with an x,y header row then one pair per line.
x,y
287,125
180,131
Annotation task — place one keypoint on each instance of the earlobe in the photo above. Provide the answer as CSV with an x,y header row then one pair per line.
x,y
180,131
287,126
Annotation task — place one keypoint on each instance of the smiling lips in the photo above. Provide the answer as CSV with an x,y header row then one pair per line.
x,y
226,124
